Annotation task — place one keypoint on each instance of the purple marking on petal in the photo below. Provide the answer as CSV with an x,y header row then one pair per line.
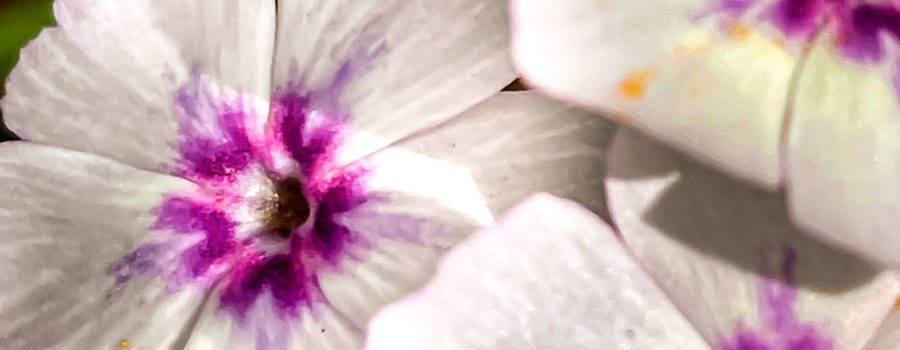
x,y
282,275
328,236
862,29
309,142
213,141
736,8
801,18
143,260
185,216
182,216
780,329
215,153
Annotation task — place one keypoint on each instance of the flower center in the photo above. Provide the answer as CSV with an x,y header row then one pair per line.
x,y
289,209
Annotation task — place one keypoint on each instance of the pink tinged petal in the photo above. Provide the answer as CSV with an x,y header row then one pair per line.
x,y
549,275
66,219
888,335
397,73
686,80
844,154
105,80
418,208
516,144
701,236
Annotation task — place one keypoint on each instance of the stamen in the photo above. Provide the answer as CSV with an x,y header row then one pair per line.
x,y
289,209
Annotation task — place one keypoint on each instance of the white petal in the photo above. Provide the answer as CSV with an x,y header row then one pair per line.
x,y
669,68
417,209
844,154
105,81
718,248
549,275
481,162
393,67
888,335
65,218
264,329
519,143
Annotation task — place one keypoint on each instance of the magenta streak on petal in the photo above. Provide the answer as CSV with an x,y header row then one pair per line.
x,y
186,216
282,275
214,142
780,329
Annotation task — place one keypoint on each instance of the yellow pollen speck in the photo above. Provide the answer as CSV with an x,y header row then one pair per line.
x,y
124,344
739,32
635,83
780,44
690,49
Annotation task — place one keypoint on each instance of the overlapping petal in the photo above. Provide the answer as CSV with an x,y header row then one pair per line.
x,y
730,259
549,275
706,76
789,93
844,152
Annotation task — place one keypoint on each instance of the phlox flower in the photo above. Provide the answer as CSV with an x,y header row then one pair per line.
x,y
246,174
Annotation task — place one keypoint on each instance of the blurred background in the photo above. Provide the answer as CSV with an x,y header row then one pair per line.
x,y
20,21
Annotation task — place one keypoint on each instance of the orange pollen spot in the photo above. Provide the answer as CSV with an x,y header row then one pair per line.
x,y
739,32
897,303
635,83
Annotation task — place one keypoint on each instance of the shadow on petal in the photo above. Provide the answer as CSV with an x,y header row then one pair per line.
x,y
736,223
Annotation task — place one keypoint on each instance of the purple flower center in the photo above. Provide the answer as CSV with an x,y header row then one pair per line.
x,y
271,259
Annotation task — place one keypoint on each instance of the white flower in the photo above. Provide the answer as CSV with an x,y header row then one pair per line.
x,y
698,262
221,175
800,94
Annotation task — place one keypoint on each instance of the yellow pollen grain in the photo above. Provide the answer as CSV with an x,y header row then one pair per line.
x,y
739,32
634,85
124,344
